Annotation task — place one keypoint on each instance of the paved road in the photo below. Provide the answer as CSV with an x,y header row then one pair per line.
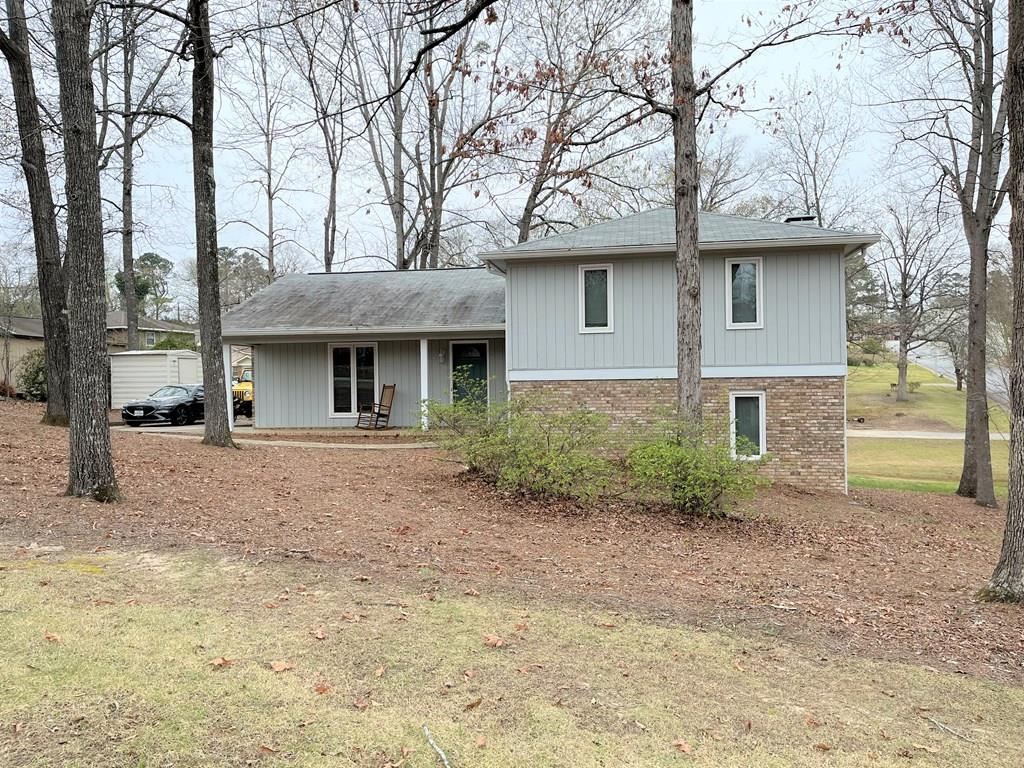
x,y
914,435
935,358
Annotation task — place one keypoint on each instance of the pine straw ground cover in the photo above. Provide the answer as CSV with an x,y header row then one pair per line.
x,y
834,594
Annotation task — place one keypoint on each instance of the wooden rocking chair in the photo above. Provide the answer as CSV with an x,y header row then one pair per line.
x,y
376,416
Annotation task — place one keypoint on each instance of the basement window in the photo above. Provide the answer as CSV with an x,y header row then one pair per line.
x,y
747,424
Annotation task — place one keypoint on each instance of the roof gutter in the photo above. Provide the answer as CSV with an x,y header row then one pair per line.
x,y
246,333
850,242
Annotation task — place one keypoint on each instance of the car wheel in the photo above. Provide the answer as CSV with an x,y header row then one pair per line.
x,y
180,417
190,417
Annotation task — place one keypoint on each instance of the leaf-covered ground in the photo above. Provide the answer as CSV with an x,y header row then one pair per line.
x,y
840,593
158,659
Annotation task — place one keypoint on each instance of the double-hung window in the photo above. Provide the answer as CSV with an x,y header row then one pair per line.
x,y
595,283
747,424
744,293
353,377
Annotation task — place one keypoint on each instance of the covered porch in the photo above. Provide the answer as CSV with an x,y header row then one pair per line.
x,y
324,383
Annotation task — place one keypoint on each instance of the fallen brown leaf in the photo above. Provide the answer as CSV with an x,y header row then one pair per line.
x,y
471,592
220,661
822,747
321,688
51,637
481,741
493,641
379,671
319,633
281,666
267,749
683,746
473,704
361,703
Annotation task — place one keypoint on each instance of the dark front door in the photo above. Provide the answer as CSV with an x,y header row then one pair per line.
x,y
469,369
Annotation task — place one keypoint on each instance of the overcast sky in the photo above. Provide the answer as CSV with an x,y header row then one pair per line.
x,y
164,197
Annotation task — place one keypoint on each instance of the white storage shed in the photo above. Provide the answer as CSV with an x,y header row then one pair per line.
x,y
136,375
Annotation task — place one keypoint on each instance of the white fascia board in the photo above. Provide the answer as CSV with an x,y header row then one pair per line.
x,y
706,372
850,243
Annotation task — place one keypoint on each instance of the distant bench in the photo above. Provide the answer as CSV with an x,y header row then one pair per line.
x,y
912,386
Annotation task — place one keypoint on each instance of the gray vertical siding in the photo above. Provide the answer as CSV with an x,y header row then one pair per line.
x,y
440,368
804,315
292,380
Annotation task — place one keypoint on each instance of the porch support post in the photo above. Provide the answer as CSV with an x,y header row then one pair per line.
x,y
424,383
227,386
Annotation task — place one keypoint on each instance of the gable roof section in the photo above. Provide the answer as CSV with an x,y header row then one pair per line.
x,y
654,232
468,299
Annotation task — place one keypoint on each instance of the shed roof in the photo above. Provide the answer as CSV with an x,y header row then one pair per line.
x,y
362,302
655,230
117,320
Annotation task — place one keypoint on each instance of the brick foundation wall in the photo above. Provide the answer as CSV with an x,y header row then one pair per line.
x,y
804,416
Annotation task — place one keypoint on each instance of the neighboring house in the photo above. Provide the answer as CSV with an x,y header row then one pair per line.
x,y
588,319
18,337
150,331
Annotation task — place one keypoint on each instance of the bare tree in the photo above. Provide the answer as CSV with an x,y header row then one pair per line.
x,y
217,426
946,88
91,465
813,143
1007,582
137,119
916,265
15,47
262,93
571,137
320,49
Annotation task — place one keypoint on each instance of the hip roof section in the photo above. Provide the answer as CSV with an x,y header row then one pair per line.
x,y
362,302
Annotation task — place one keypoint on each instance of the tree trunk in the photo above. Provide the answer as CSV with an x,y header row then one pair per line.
x,y
687,252
91,466
959,373
49,272
131,301
331,220
217,428
1007,582
976,478
902,395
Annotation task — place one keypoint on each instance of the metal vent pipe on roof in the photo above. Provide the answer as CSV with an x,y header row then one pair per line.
x,y
803,218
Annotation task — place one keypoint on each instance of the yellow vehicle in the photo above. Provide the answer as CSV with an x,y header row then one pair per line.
x,y
242,394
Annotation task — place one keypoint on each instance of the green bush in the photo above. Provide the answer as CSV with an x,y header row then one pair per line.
x,y
695,474
32,376
519,446
177,341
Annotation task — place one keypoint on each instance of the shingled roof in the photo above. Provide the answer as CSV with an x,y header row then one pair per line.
x,y
470,299
653,231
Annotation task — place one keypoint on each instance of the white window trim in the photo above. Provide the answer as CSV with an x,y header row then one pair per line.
x,y
610,328
150,335
759,322
351,345
759,394
451,365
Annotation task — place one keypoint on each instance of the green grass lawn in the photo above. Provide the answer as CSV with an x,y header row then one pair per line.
x,y
916,465
152,660
936,405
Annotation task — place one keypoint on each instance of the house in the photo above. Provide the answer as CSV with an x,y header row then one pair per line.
x,y
151,331
18,337
585,318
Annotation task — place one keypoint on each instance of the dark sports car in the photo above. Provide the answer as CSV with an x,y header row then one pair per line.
x,y
178,404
